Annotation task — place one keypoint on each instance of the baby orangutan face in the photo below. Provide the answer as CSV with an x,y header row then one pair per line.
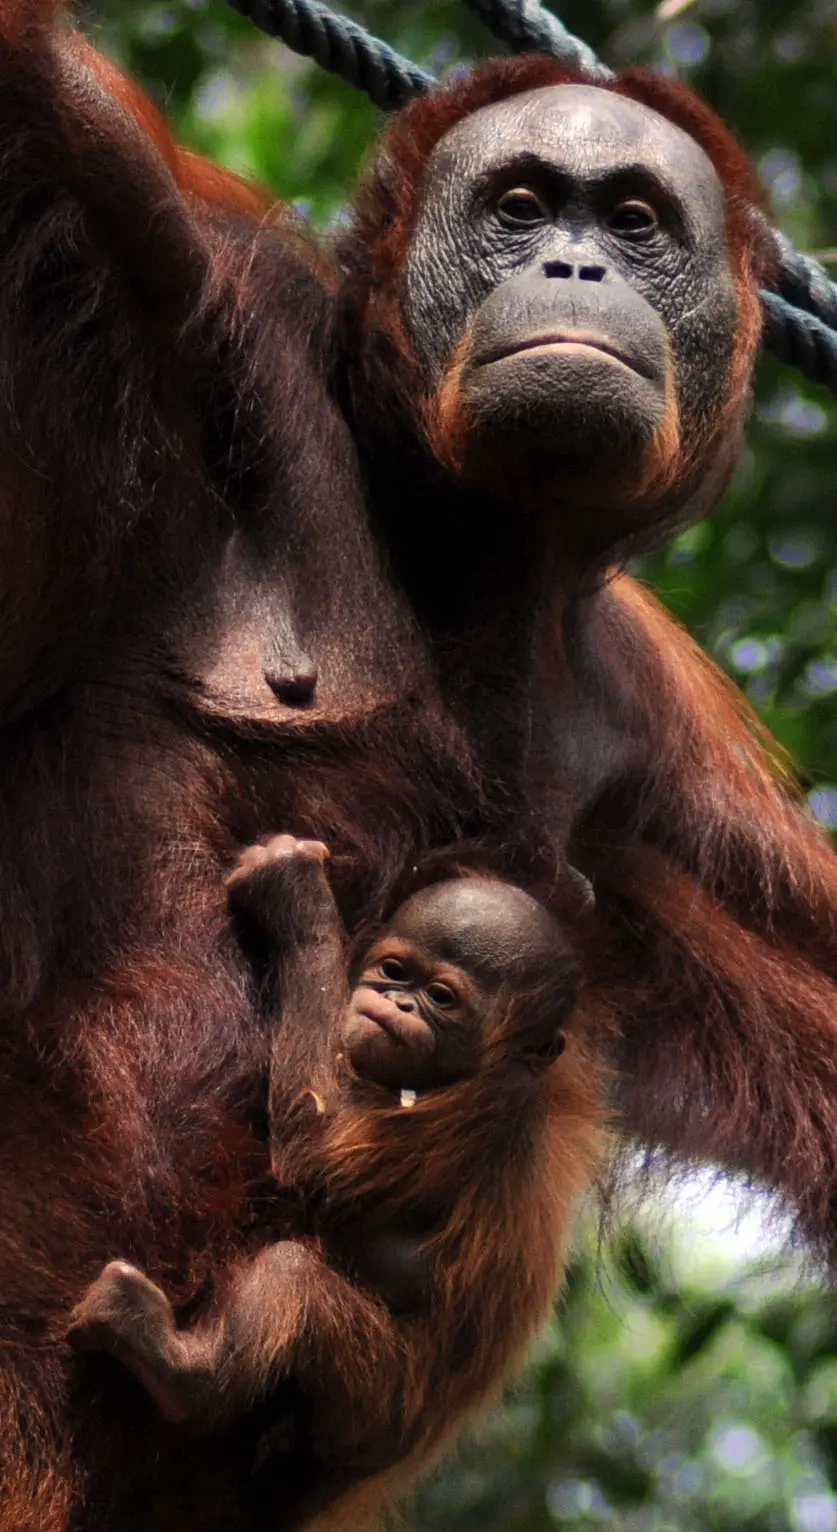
x,y
412,1021
429,987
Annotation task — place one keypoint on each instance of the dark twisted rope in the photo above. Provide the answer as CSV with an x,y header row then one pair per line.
x,y
528,27
341,47
805,283
800,320
800,339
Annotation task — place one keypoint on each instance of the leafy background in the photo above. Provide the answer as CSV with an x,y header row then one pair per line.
x,y
683,1387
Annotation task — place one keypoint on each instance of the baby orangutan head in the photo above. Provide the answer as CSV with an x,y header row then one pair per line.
x,y
464,967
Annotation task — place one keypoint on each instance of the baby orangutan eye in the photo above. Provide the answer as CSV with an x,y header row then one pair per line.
x,y
443,996
392,968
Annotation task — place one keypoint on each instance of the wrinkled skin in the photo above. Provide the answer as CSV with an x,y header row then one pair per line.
x,y
571,251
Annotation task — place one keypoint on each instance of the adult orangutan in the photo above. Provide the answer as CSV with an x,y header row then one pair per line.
x,y
320,541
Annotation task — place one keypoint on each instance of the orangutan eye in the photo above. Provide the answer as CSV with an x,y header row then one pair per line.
x,y
443,996
633,219
521,207
393,969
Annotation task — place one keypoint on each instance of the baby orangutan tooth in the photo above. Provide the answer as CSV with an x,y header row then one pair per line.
x,y
408,1098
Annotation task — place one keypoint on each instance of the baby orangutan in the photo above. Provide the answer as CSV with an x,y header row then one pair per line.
x,y
436,1143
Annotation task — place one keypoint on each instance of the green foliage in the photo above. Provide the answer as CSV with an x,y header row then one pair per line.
x,y
659,1404
653,1404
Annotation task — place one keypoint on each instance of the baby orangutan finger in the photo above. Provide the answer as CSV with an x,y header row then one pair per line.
x,y
279,848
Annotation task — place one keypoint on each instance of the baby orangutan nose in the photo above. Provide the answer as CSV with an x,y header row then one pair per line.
x,y
387,1040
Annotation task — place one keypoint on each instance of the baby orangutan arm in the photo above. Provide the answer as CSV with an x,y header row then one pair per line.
x,y
281,897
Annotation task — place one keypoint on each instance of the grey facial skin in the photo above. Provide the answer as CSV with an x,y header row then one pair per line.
x,y
577,239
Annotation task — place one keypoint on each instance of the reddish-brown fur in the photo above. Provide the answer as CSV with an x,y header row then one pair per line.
x,y
484,1171
384,1162
206,441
